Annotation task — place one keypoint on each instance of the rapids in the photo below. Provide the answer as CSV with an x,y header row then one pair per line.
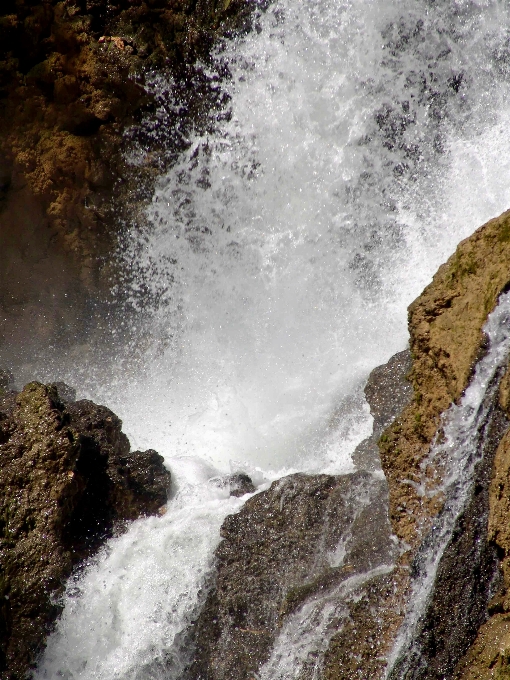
x,y
361,141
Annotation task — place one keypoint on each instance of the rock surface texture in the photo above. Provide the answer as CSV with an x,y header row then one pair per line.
x,y
75,81
489,657
274,562
281,549
67,481
445,325
318,538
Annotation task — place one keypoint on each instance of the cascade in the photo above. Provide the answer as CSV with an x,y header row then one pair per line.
x,y
360,142
460,454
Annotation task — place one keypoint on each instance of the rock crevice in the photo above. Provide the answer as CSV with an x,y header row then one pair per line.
x,y
68,481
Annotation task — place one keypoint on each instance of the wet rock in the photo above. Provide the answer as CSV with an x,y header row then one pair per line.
x,y
240,484
387,392
489,656
466,578
6,381
273,561
237,484
446,339
67,481
299,540
74,86
445,325
66,394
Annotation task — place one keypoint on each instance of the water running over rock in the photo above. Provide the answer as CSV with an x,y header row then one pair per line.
x,y
455,571
285,246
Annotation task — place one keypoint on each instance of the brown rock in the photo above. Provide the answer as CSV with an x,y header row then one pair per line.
x,y
72,82
267,564
445,325
67,479
489,657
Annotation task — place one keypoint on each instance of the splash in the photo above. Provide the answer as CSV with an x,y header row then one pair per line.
x,y
360,143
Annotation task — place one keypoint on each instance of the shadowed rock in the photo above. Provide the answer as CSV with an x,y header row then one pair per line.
x,y
240,484
387,391
75,83
67,480
296,541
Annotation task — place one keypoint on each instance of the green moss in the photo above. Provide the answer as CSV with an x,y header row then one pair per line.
x,y
504,234
462,265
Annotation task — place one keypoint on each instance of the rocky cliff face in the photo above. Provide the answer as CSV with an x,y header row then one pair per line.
x,y
276,551
445,325
489,656
307,544
446,341
282,549
74,84
67,481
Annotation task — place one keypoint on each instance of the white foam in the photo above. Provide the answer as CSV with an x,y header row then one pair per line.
x,y
457,457
285,249
131,606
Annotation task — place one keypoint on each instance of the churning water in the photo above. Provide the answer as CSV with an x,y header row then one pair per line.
x,y
361,141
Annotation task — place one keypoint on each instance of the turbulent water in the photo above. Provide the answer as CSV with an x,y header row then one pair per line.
x,y
359,143
465,442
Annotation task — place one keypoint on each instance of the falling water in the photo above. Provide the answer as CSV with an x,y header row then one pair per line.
x,y
360,142
458,455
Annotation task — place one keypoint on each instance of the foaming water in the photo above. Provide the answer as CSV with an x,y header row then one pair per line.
x,y
362,142
465,439
299,649
125,617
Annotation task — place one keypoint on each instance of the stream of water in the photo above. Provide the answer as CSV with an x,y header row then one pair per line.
x,y
364,140
459,453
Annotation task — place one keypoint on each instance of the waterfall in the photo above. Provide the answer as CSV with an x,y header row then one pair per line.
x,y
360,141
458,455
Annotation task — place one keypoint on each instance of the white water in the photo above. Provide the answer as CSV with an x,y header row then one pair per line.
x,y
307,634
457,457
285,249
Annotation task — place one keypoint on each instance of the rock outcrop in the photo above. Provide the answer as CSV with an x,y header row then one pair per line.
x,y
445,325
387,391
74,84
68,481
489,657
272,555
322,538
305,537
